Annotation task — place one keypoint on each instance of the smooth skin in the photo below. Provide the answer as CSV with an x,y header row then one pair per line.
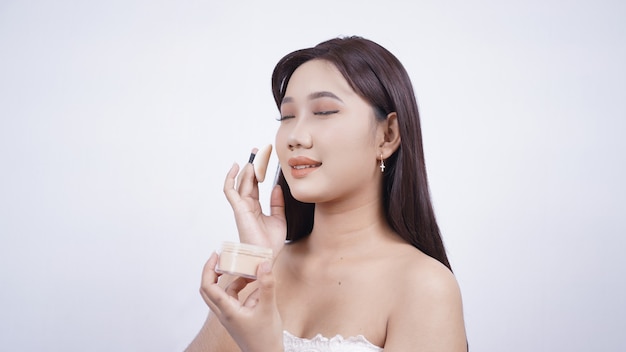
x,y
353,275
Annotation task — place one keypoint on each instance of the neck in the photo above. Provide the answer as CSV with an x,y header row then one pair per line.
x,y
344,228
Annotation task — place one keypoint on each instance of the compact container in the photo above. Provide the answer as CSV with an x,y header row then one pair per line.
x,y
242,259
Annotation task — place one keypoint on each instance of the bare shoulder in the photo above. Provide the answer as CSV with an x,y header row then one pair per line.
x,y
428,312
424,276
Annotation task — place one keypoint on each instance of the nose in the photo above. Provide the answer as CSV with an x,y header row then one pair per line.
x,y
299,136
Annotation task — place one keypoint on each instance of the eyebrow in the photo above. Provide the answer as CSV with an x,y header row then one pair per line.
x,y
315,95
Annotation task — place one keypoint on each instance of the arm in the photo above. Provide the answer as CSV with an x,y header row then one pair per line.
x,y
254,227
237,319
429,314
212,337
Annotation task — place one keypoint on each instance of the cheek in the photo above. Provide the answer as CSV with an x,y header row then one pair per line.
x,y
353,138
280,143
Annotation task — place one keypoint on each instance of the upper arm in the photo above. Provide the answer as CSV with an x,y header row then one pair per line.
x,y
428,315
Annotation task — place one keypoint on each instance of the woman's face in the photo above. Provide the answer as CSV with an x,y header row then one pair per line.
x,y
326,142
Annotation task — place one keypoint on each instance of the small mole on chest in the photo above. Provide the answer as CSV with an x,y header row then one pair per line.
x,y
340,258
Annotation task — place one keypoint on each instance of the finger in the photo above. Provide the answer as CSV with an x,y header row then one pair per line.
x,y
277,203
267,285
223,305
236,286
216,297
253,154
209,276
229,185
253,299
247,185
209,279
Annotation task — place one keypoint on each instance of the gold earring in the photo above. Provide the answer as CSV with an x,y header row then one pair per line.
x,y
382,163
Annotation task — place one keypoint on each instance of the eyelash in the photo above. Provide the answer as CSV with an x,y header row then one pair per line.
x,y
325,113
319,113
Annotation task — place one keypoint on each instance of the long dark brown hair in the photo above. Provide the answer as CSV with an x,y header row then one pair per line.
x,y
378,77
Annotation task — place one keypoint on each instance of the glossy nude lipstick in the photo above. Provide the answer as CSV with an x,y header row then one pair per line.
x,y
301,166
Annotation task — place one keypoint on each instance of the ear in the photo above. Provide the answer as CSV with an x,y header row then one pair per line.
x,y
389,135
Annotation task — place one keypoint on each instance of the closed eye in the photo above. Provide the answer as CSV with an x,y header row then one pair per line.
x,y
324,113
285,117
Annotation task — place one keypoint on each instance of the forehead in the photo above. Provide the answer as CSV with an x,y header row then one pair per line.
x,y
317,76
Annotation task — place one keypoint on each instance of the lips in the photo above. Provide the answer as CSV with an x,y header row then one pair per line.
x,y
301,166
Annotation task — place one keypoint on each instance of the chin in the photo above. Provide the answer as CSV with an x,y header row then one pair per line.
x,y
305,197
305,193
311,189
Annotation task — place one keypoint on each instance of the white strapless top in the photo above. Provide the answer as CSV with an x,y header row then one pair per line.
x,y
324,344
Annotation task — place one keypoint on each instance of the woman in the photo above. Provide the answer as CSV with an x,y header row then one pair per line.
x,y
364,267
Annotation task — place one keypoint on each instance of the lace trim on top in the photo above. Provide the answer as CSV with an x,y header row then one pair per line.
x,y
320,343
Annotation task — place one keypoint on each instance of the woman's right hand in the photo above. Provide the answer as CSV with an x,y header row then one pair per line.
x,y
254,227
253,322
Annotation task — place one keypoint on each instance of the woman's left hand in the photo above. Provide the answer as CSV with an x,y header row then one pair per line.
x,y
254,323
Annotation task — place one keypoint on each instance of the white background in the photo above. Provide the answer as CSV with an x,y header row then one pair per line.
x,y
119,120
